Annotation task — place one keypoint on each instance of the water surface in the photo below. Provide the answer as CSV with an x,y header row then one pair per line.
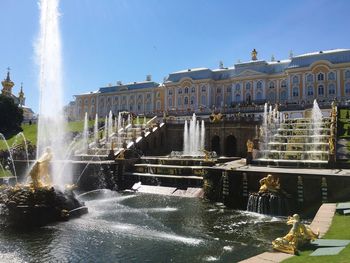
x,y
128,227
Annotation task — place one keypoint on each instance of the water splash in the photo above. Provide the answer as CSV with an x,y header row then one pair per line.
x,y
51,123
194,137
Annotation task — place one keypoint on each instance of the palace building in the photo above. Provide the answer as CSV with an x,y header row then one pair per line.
x,y
323,75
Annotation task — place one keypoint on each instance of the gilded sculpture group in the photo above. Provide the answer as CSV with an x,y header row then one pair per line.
x,y
299,234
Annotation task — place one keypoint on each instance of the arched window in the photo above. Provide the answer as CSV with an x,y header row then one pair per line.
x,y
203,89
310,78
347,88
259,96
158,94
271,96
204,100
218,101
92,101
92,109
170,92
179,101
320,77
295,79
283,84
170,102
283,95
347,74
192,100
218,90
86,101
238,97
158,105
331,76
295,92
193,90
248,86
180,91
259,85
238,87
248,97
320,90
186,90
228,89
331,89
310,91
271,85
186,100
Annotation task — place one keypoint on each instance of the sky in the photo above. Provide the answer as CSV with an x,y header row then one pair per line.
x,y
124,40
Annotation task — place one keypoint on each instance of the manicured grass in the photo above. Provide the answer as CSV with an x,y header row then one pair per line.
x,y
5,173
340,229
30,133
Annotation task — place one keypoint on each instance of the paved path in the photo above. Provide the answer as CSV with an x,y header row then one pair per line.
x,y
321,222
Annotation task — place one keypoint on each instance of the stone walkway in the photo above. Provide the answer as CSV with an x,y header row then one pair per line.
x,y
321,222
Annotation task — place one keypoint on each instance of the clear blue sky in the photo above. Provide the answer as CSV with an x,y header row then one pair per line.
x,y
110,40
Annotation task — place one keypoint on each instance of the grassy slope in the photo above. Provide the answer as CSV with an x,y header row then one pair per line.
x,y
339,230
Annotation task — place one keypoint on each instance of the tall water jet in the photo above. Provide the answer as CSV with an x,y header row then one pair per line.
x,y
110,124
106,129
316,116
193,138
85,134
51,124
96,129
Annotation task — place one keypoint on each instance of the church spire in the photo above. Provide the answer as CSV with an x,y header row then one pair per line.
x,y
21,96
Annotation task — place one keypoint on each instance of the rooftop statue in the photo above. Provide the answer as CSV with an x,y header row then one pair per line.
x,y
40,171
269,184
297,236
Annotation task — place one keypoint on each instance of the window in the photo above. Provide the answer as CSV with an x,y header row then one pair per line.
x,y
259,96
284,84
193,90
170,92
310,78
186,101
320,77
228,89
179,101
140,97
295,92
180,91
248,86
218,90
86,101
108,100
203,89
283,95
248,97
204,100
320,90
92,101
310,91
238,87
331,89
271,85
347,88
295,79
192,100
271,96
170,102
186,90
347,74
259,85
238,97
124,98
148,95
158,94
158,105
331,76
115,99
92,109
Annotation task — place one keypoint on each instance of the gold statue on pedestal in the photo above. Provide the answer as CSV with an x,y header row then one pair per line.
x,y
299,235
40,171
269,184
250,146
206,154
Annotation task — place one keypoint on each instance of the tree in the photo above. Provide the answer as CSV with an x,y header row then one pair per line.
x,y
11,117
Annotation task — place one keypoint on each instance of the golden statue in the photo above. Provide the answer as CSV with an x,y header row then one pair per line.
x,y
299,235
254,54
250,146
206,154
216,117
269,184
40,171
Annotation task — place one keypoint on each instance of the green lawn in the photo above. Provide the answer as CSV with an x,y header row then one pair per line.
x,y
5,173
340,229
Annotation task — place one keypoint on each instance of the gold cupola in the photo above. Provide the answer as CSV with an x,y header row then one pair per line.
x,y
7,84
